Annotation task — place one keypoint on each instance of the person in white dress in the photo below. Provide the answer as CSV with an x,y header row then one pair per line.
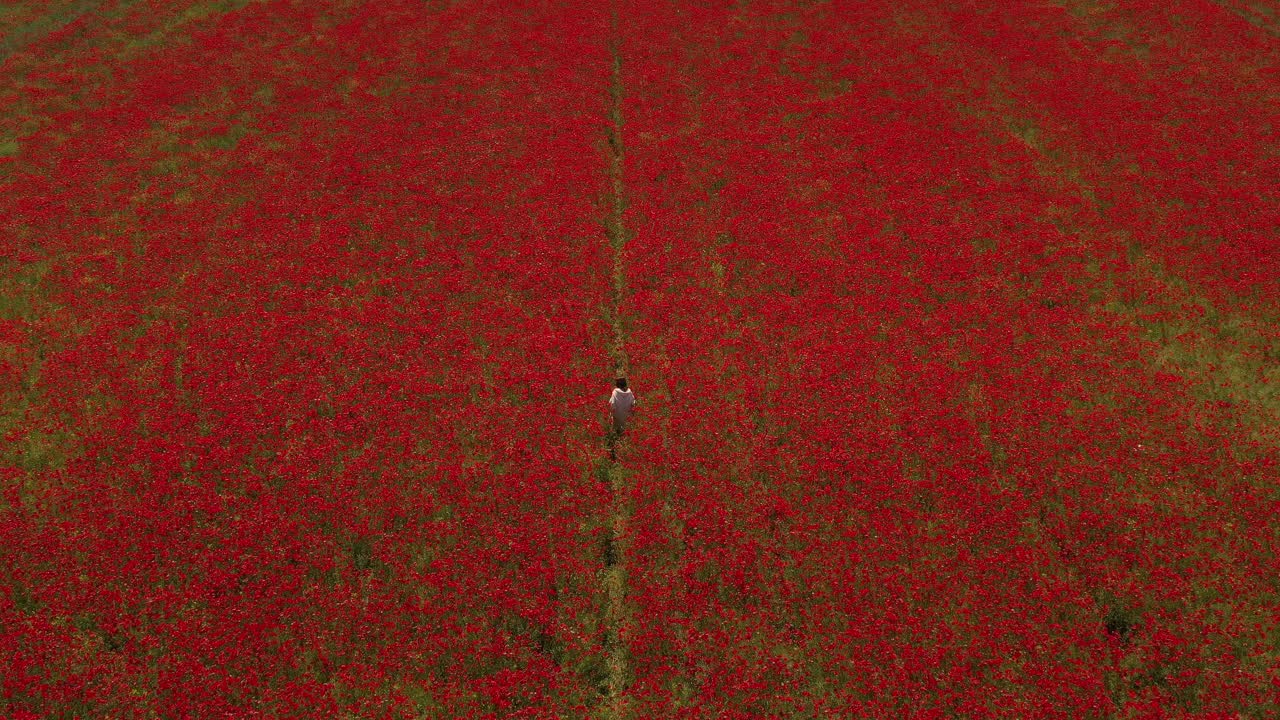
x,y
621,403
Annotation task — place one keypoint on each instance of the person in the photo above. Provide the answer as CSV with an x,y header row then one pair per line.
x,y
620,404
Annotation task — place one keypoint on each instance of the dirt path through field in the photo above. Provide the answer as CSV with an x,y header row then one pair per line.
x,y
615,573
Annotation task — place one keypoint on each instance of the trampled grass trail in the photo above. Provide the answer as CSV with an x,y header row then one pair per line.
x,y
615,572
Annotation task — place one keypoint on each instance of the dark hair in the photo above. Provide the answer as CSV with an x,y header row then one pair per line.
x,y
621,383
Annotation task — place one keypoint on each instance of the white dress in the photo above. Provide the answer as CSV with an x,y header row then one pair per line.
x,y
621,402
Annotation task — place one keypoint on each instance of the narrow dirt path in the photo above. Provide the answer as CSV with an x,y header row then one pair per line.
x,y
615,573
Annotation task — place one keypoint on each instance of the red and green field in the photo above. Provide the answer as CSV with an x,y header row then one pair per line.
x,y
955,329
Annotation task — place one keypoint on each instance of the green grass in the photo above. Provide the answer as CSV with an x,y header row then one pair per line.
x,y
18,289
12,9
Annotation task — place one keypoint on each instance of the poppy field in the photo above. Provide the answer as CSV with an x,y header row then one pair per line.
x,y
954,329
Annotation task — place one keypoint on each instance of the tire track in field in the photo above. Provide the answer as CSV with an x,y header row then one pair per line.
x,y
617,617
43,27
1224,352
1259,15
1203,348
